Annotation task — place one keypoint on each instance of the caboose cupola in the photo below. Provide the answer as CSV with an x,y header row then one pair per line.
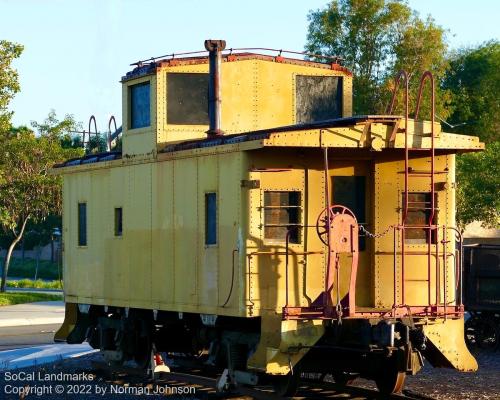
x,y
185,97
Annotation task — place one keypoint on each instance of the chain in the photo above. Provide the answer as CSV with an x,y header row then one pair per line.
x,y
373,235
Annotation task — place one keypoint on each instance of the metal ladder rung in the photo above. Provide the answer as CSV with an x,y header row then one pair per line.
x,y
420,171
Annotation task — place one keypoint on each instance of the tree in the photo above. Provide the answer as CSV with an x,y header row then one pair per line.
x,y
68,132
474,83
478,187
28,192
377,38
9,82
64,131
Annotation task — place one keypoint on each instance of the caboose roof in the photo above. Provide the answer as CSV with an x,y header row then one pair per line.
x,y
372,132
149,68
364,131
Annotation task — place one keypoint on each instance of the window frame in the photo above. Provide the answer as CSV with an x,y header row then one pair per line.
x,y
299,113
433,237
171,118
141,82
118,222
300,214
215,233
82,240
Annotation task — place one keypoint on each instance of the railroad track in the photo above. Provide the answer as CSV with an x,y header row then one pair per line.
x,y
204,381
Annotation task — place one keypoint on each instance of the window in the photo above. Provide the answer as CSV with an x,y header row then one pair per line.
x,y
82,224
210,219
187,99
282,213
317,98
350,192
118,221
419,213
140,105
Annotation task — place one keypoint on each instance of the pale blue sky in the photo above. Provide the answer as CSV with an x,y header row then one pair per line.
x,y
77,50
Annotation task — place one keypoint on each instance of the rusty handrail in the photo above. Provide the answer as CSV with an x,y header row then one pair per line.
x,y
232,277
427,75
92,118
334,59
390,107
111,119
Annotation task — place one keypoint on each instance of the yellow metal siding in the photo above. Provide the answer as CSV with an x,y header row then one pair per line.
x,y
266,266
389,183
163,244
208,255
164,222
231,171
137,234
115,255
161,261
185,231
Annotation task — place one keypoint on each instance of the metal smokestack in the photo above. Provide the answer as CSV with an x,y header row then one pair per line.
x,y
214,47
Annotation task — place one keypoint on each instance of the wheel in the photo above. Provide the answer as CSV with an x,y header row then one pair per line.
x,y
344,378
470,332
487,334
327,216
286,385
390,381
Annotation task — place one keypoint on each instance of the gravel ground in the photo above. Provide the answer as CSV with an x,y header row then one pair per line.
x,y
447,384
436,383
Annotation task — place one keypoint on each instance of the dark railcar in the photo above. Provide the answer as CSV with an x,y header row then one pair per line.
x,y
482,294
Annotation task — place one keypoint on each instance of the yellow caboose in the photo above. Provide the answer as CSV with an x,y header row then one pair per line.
x,y
252,221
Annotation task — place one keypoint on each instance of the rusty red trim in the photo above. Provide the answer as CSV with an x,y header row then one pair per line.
x,y
340,68
433,311
252,56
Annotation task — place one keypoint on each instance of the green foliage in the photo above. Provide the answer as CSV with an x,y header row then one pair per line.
x,y
377,38
68,133
36,234
474,81
421,47
28,190
96,144
478,188
64,131
9,299
38,284
9,82
26,269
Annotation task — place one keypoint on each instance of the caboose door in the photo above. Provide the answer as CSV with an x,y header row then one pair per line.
x,y
278,225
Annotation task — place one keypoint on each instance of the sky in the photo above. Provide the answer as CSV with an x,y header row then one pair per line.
x,y
77,50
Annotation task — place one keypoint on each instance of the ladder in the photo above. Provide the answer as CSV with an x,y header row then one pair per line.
x,y
410,173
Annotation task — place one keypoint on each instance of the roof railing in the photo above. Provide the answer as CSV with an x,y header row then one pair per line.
x,y
334,59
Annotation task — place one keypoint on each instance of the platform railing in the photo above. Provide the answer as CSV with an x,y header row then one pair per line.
x,y
448,307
